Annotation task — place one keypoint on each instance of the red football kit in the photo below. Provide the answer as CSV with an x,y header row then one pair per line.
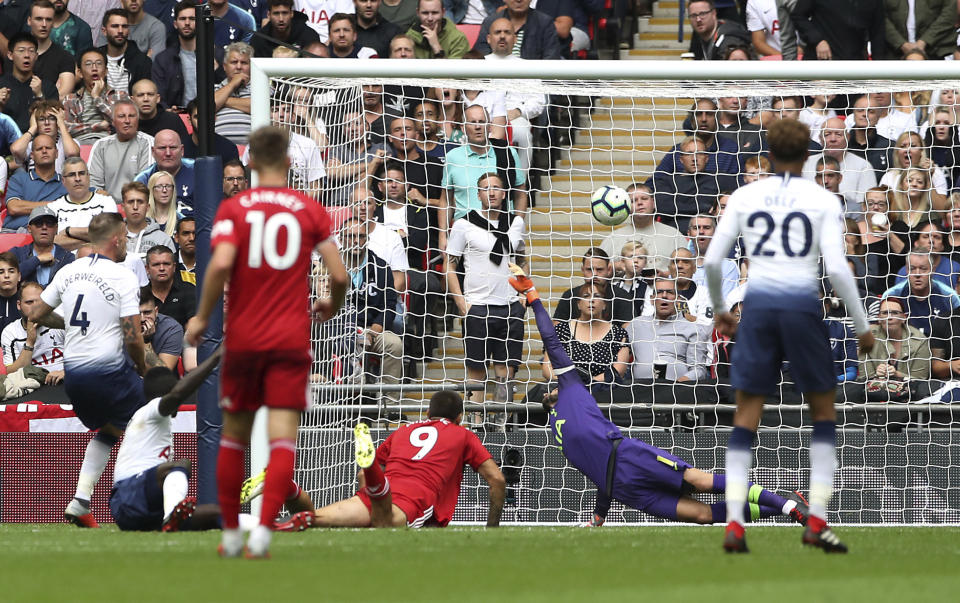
x,y
267,358
424,463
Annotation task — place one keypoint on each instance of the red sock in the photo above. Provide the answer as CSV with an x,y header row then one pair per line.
x,y
293,490
377,485
229,480
279,476
815,523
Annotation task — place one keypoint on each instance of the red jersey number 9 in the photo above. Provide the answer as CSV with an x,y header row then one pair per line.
x,y
263,240
424,438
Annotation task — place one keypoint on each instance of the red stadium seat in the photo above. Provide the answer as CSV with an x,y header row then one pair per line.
x,y
14,239
85,152
472,31
186,121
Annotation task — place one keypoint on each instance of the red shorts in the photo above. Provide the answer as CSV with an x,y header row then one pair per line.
x,y
275,379
415,502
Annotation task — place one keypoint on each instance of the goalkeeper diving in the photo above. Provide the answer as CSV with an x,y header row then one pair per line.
x,y
633,472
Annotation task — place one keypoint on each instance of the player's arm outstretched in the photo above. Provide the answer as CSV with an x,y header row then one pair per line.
x,y
491,473
559,359
189,384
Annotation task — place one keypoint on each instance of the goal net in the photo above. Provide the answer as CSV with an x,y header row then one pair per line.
x,y
400,142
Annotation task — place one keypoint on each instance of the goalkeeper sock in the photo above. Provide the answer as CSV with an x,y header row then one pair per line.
x,y
376,482
823,464
175,487
94,461
759,495
229,479
756,494
739,458
279,475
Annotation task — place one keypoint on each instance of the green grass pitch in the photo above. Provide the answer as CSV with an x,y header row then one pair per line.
x,y
459,564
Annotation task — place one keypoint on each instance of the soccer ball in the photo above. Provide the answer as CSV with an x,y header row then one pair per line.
x,y
610,205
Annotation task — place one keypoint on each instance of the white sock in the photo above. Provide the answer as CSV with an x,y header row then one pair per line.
x,y
823,464
738,467
232,541
174,490
248,522
259,541
94,461
788,506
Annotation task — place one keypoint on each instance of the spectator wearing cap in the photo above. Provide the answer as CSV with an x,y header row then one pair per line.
x,y
29,188
42,258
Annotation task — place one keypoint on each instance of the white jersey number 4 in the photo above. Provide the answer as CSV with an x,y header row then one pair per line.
x,y
263,240
424,438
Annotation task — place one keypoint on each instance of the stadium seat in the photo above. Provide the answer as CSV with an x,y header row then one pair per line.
x,y
13,239
472,31
186,122
85,152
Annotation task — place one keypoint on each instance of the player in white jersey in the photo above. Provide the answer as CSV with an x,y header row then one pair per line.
x,y
101,316
787,224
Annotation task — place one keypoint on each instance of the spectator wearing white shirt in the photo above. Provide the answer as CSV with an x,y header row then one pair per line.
x,y
381,240
306,158
816,114
764,26
892,121
76,208
858,174
25,343
485,242
494,103
522,108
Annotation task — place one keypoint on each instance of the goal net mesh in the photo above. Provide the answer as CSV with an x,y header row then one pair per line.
x,y
898,438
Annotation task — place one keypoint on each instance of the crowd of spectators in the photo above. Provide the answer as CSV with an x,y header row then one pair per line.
x,y
431,189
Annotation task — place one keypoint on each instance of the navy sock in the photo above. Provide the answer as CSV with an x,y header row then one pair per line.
x,y
719,510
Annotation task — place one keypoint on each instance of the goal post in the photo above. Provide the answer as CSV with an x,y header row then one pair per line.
x,y
613,122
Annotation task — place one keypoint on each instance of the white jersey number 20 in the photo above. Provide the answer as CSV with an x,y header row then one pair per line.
x,y
263,240
424,438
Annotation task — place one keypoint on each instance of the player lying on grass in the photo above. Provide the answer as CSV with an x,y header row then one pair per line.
x,y
149,489
413,478
633,472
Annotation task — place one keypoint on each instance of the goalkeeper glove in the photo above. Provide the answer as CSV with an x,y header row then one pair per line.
x,y
522,283
596,522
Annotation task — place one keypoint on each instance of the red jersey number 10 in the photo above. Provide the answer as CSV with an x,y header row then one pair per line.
x,y
263,239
